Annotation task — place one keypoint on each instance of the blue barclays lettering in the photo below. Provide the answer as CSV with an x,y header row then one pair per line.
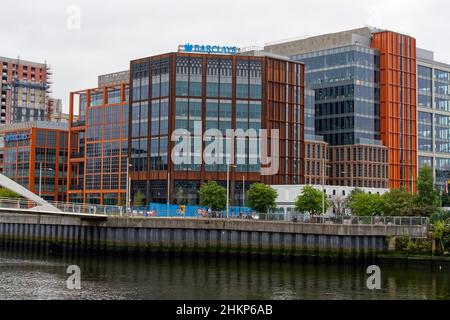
x,y
208,49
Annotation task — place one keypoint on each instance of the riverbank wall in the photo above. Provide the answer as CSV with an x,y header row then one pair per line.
x,y
142,235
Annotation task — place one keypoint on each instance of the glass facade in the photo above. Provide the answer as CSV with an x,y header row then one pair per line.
x,y
41,148
434,126
442,168
442,127
310,116
99,153
442,89
106,148
16,161
150,115
189,101
347,95
425,131
425,86
212,95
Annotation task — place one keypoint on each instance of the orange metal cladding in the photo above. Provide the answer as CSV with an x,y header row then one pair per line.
x,y
398,106
282,105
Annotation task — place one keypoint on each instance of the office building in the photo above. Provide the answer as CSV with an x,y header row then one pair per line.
x,y
365,97
316,165
216,91
98,126
434,115
35,155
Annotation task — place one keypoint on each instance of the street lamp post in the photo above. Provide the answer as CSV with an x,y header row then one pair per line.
x,y
228,188
40,178
128,198
243,192
168,193
323,185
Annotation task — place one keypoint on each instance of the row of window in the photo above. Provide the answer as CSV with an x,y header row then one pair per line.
x,y
351,55
106,149
441,133
113,96
99,116
107,182
368,171
316,151
361,183
441,88
359,154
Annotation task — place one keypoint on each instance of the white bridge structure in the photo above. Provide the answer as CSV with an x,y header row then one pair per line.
x,y
33,203
43,205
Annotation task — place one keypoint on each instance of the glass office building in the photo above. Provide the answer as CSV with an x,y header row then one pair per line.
x,y
35,155
434,116
185,95
99,141
346,83
346,114
365,94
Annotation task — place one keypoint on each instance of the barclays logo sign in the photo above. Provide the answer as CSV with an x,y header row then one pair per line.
x,y
17,137
195,48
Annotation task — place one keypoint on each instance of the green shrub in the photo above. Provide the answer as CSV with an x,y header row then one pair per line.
x,y
446,242
6,193
406,245
442,215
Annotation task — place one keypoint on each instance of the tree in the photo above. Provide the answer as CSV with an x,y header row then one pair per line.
x,y
399,203
139,199
311,201
213,196
427,194
339,205
364,204
261,197
6,193
439,229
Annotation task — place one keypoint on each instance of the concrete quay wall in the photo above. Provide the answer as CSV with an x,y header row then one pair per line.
x,y
201,235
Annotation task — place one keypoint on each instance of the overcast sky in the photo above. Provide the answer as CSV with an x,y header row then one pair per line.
x,y
113,32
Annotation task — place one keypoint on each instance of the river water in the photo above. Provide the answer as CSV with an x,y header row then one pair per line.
x,y
31,275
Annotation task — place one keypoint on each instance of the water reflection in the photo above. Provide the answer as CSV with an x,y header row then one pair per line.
x,y
26,273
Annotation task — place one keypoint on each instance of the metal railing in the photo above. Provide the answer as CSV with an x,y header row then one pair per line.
x,y
7,203
349,220
77,208
290,217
